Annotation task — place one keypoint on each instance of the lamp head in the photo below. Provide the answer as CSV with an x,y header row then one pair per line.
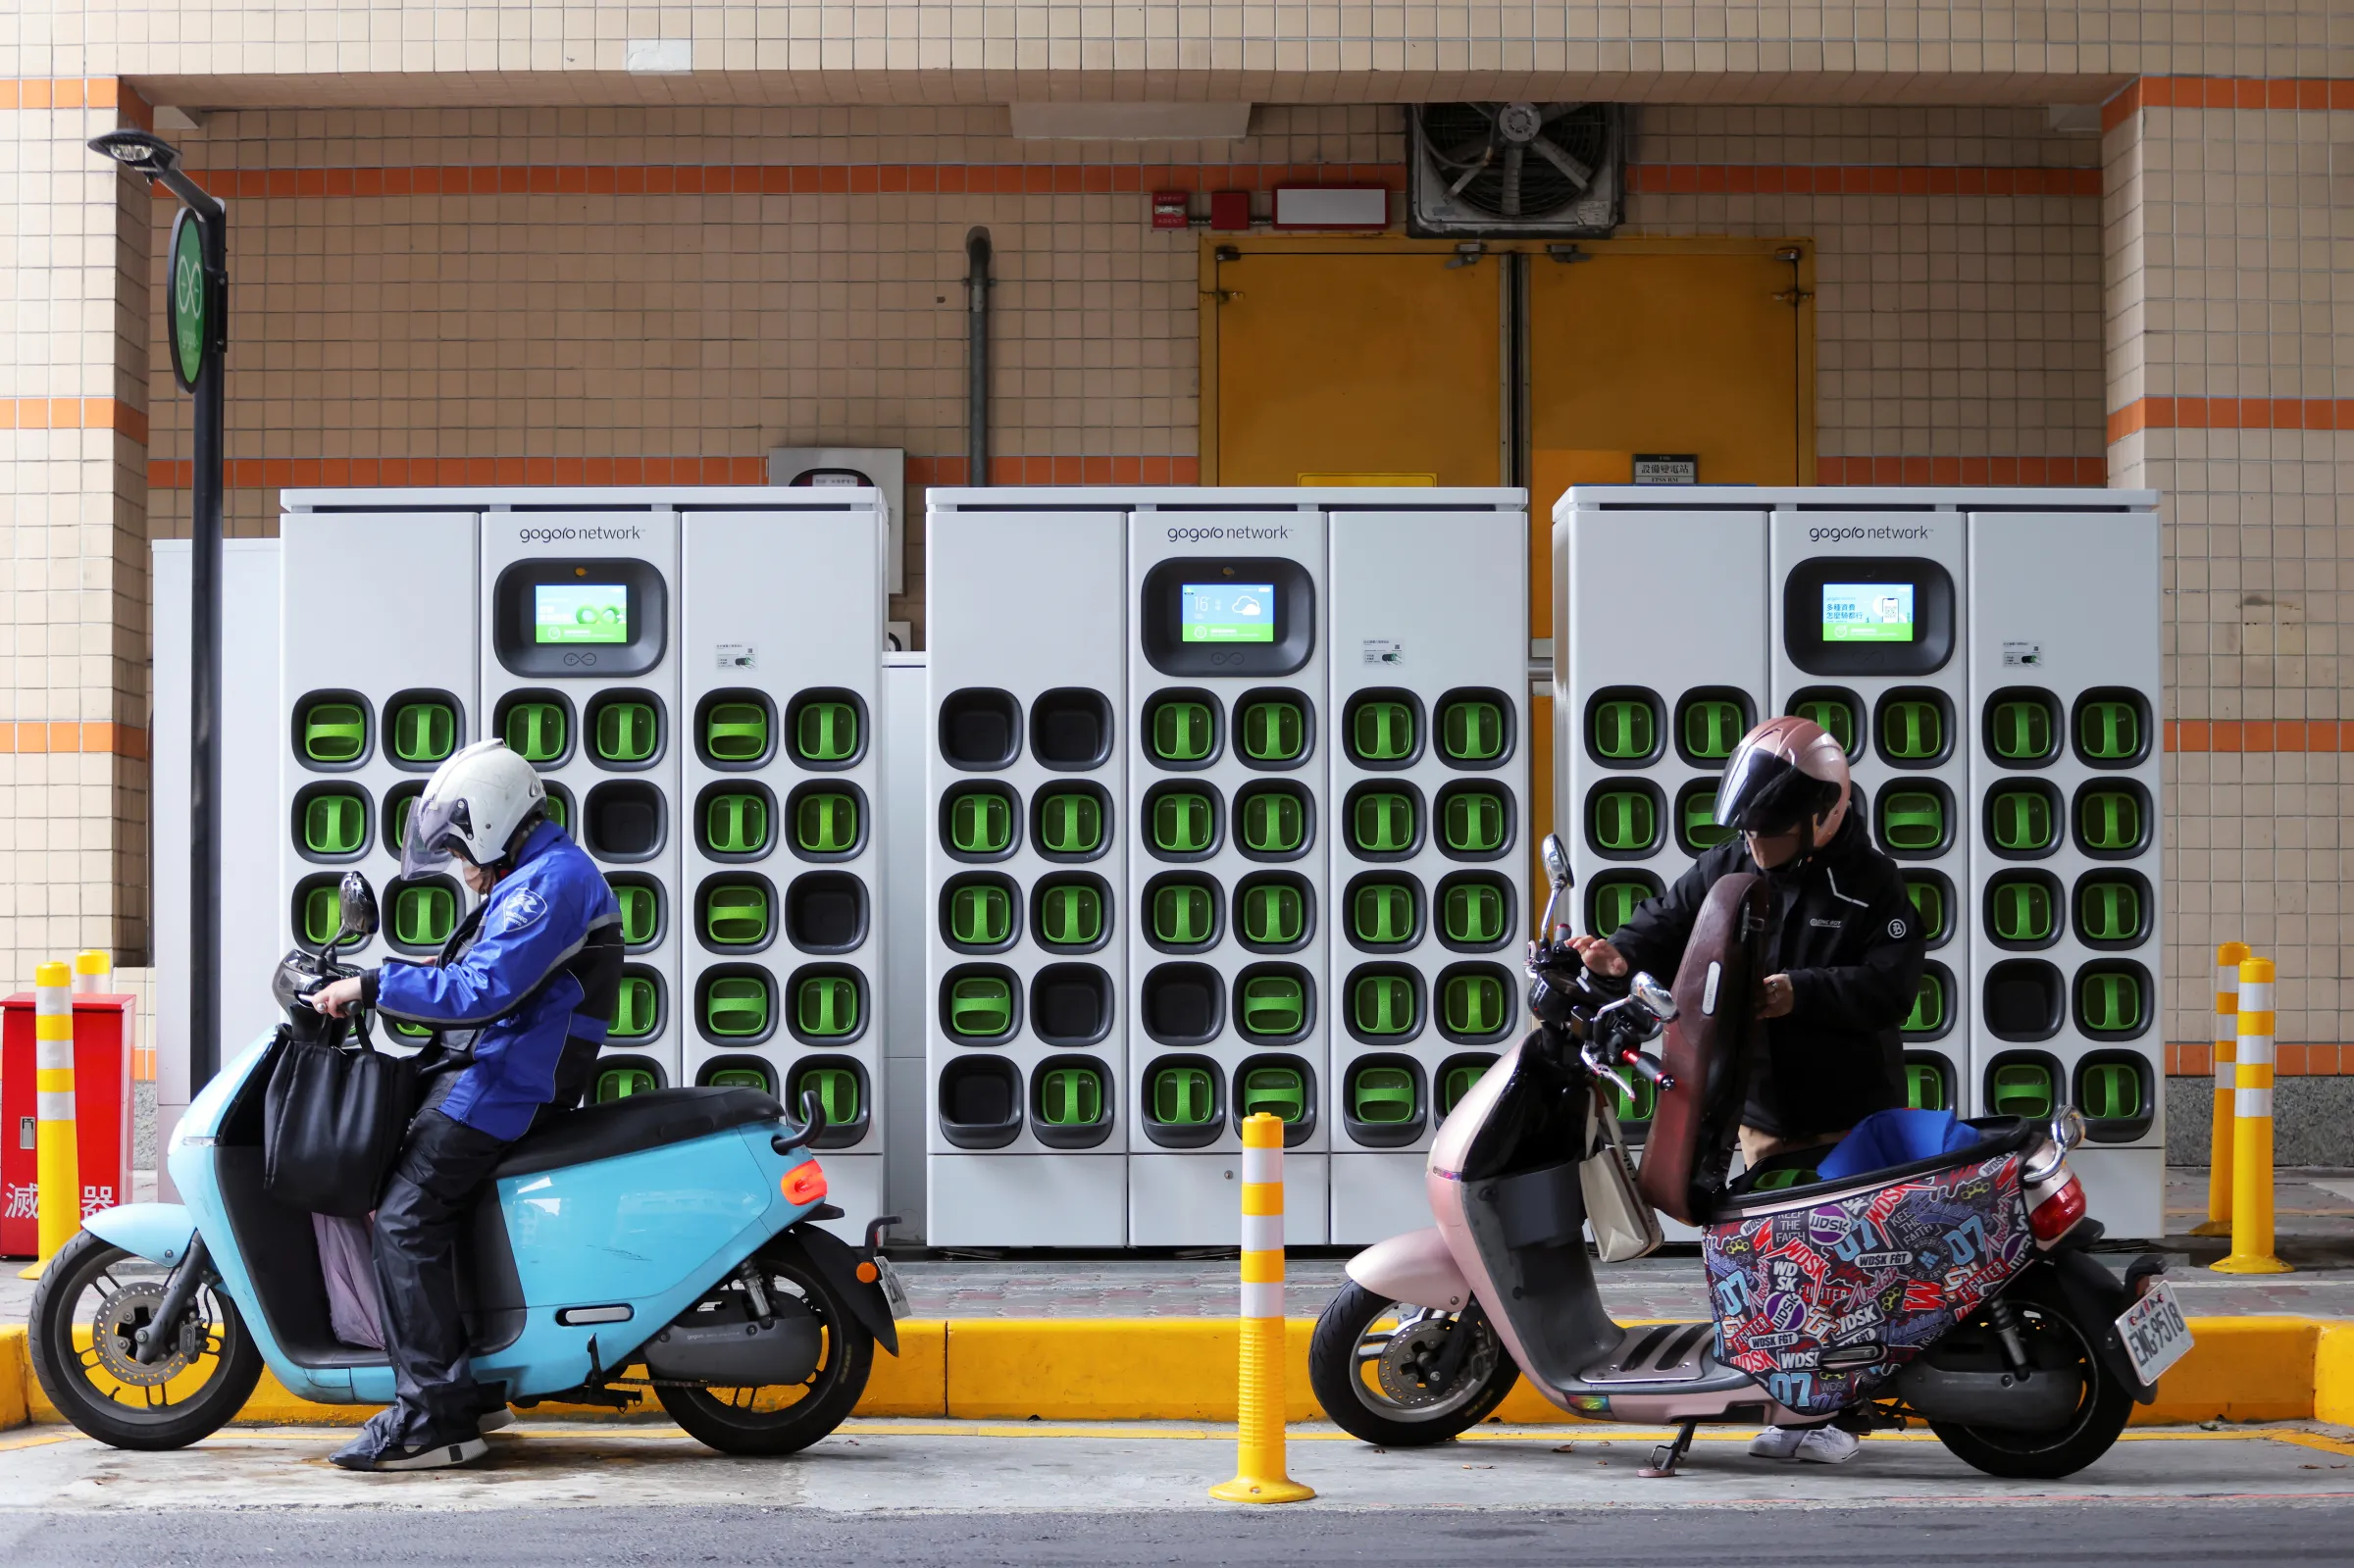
x,y
141,150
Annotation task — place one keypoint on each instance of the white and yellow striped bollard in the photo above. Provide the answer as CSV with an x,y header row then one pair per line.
x,y
2228,956
93,973
2252,1128
57,1162
1259,1475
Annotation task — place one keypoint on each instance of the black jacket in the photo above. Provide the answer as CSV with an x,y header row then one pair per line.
x,y
1850,940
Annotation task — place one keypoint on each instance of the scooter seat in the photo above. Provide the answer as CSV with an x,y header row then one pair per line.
x,y
645,1121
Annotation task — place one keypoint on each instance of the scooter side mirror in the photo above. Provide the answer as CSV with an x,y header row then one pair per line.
x,y
356,909
1657,999
1556,861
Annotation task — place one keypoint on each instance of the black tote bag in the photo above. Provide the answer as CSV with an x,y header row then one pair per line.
x,y
333,1121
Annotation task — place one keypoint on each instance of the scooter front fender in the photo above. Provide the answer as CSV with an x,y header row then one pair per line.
x,y
1414,1268
160,1232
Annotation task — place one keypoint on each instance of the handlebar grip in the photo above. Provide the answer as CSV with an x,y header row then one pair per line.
x,y
1659,1076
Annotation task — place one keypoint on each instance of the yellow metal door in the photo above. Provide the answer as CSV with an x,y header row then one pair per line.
x,y
1366,367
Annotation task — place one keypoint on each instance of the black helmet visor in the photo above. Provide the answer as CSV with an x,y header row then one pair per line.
x,y
1766,794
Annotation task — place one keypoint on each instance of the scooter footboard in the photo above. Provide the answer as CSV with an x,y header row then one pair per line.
x,y
1824,1301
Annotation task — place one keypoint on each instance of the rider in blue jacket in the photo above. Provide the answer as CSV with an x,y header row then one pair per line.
x,y
520,1000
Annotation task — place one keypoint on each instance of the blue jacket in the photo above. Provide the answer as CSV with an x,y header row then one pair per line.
x,y
518,983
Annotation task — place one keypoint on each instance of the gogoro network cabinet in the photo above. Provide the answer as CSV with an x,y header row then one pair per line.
x,y
696,676
1165,724
1990,659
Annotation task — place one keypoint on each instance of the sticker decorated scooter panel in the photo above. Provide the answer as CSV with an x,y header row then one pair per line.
x,y
1822,1304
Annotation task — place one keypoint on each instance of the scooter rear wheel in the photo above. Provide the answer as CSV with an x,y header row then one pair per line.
x,y
783,1420
92,1299
2053,1337
1371,1359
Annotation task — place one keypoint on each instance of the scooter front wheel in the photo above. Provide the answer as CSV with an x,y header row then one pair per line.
x,y
778,1419
1397,1374
93,1301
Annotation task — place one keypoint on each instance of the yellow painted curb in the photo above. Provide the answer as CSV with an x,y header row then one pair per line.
x,y
1184,1369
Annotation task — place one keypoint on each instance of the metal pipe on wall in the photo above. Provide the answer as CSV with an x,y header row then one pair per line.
x,y
977,285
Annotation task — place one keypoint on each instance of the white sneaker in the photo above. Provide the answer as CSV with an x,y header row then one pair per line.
x,y
1828,1446
1775,1443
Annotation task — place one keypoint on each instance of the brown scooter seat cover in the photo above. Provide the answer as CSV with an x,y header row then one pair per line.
x,y
1708,1050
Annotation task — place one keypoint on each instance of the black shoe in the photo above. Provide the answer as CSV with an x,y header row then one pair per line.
x,y
375,1448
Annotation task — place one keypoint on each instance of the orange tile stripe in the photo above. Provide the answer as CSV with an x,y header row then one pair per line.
x,y
1858,179
2231,414
2291,1060
77,92
305,472
33,736
73,414
2226,92
1962,471
2260,734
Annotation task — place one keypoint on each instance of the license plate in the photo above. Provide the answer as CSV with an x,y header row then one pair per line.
x,y
2154,1333
894,1292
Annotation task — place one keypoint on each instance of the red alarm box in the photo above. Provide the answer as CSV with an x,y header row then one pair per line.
x,y
104,1031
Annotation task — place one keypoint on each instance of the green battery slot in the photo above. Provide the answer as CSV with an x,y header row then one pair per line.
x,y
736,731
2109,729
1624,822
1711,727
1383,1094
620,1083
980,1007
1473,1006
2110,911
334,823
1924,1087
1381,822
826,731
1639,1108
1456,1080
1912,730
423,733
2109,821
1913,821
1070,915
1381,914
1927,1016
1185,914
396,826
408,1031
980,915
627,733
1184,1096
424,916
825,822
2021,821
1473,913
1274,1006
1070,822
1695,828
744,1078
1928,897
2109,1091
1836,714
1614,901
636,1007
1184,823
1382,730
1274,730
334,732
2023,729
1274,823
2021,1088
558,807
1070,1096
1623,728
537,731
1382,1004
981,823
1277,1092
736,824
2111,1003
735,915
1474,822
737,1006
641,913
1273,914
825,1006
1472,729
322,915
1183,730
2022,913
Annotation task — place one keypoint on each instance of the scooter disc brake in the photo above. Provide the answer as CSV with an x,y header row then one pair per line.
x,y
114,1335
1412,1356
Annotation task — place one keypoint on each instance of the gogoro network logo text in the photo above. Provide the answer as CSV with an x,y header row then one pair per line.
x,y
567,536
1204,533
1884,530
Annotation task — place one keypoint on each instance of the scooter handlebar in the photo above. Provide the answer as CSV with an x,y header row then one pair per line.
x,y
1650,1069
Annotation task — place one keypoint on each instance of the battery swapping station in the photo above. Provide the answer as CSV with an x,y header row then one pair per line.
x,y
1990,659
1026,874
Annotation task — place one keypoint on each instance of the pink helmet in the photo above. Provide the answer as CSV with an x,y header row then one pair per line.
x,y
1785,772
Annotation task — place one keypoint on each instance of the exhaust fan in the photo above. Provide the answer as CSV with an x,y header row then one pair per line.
x,y
1505,170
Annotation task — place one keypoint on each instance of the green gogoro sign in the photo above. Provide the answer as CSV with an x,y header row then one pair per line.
x,y
189,309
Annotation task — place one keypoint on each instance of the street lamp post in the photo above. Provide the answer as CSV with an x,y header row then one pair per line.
x,y
198,314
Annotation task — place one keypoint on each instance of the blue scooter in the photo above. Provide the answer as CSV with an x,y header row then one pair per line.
x,y
672,1228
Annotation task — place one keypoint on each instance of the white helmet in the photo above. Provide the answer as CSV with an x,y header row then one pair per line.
x,y
471,807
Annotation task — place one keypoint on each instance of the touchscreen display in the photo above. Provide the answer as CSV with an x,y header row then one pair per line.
x,y
580,612
1227,612
1867,612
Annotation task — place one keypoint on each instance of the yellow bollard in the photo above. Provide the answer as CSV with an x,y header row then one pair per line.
x,y
93,973
2252,1128
2228,956
56,1163
1259,1475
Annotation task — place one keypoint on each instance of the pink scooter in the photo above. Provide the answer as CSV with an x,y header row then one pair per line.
x,y
1955,1290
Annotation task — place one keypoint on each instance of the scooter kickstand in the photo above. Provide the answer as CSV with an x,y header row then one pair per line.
x,y
1668,1455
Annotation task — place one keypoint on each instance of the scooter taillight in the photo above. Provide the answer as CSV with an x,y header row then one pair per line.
x,y
2058,1209
805,1183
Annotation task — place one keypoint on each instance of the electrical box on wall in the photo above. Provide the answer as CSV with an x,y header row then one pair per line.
x,y
883,468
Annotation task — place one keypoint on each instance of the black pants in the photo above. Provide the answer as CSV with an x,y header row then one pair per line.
x,y
442,1167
